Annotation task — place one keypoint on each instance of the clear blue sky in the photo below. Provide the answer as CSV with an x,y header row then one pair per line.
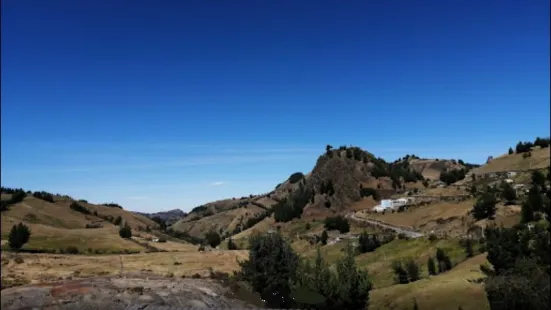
x,y
170,104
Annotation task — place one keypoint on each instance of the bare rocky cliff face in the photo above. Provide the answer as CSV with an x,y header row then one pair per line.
x,y
131,292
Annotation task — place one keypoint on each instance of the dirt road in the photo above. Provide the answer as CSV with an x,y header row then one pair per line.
x,y
399,230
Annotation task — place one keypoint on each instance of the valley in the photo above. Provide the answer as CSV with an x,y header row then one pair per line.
x,y
329,208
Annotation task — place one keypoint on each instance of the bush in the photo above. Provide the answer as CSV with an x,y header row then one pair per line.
x,y
79,208
117,221
231,245
366,192
17,196
125,232
432,237
295,177
44,196
213,239
71,250
413,270
431,266
400,273
339,223
19,235
485,207
19,260
112,205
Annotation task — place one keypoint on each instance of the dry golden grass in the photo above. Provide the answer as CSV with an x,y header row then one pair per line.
x,y
418,216
226,220
432,168
106,239
364,204
449,218
445,191
445,291
39,268
55,226
539,160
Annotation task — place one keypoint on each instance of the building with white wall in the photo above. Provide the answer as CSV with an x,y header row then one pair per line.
x,y
391,204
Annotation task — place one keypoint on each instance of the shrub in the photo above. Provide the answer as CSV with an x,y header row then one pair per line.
x,y
339,223
118,220
71,250
213,238
413,270
125,232
432,237
400,273
324,237
19,235
485,207
295,177
431,267
231,245
79,208
366,192
44,196
112,205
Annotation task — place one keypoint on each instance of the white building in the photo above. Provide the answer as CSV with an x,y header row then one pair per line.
x,y
509,181
511,174
391,204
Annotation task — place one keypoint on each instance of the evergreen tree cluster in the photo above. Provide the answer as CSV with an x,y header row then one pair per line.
x,y
524,147
75,206
370,242
17,195
283,280
367,191
291,207
338,222
327,187
125,231
44,196
485,206
452,176
519,278
112,205
406,271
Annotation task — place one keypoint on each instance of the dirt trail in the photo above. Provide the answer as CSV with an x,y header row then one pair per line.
x,y
399,230
130,292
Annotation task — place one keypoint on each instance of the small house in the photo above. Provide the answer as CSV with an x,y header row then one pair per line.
x,y
509,181
511,174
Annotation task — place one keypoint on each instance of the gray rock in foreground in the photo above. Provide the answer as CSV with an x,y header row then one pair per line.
x,y
132,292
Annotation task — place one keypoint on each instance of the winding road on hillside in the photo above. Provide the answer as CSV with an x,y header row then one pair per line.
x,y
399,230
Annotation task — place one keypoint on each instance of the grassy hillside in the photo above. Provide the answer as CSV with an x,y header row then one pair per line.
x,y
445,291
539,159
224,222
55,226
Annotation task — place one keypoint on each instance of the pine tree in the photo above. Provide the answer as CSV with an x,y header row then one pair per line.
x,y
431,266
19,235
527,212
324,237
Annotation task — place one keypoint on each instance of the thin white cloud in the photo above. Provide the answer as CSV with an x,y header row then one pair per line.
x,y
219,183
137,198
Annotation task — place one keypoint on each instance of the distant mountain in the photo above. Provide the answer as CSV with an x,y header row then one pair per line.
x,y
170,217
